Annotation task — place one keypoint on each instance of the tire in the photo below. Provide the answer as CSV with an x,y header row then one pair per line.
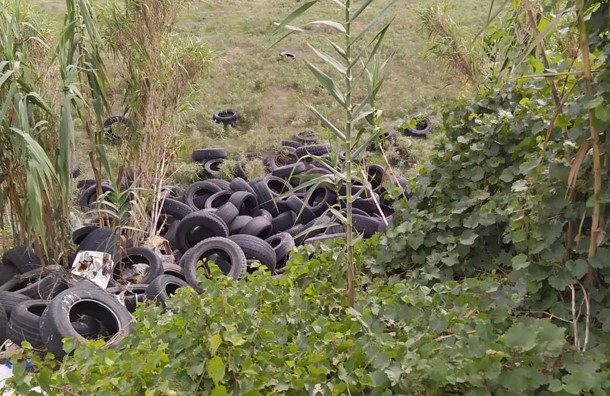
x,y
259,227
203,155
68,306
218,199
291,143
420,131
284,221
240,184
173,270
81,233
295,230
288,55
287,172
164,286
244,201
325,237
277,186
369,205
207,224
137,255
74,170
262,212
203,190
375,174
368,226
306,137
265,197
101,240
222,184
9,300
227,212
7,273
281,244
233,252
313,149
3,326
130,295
24,324
86,326
109,122
22,259
310,232
256,248
169,232
238,223
45,289
320,199
175,209
303,212
89,196
211,167
240,171
225,117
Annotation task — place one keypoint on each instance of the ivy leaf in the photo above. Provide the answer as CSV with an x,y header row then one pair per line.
x,y
415,240
215,342
578,268
468,237
216,369
600,260
520,261
562,280
520,336
603,113
219,391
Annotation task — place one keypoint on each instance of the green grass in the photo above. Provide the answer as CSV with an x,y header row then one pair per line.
x,y
268,93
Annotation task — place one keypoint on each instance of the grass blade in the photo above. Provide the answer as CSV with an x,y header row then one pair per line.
x,y
295,14
329,59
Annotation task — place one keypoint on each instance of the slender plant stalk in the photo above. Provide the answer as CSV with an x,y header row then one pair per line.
x,y
590,278
348,159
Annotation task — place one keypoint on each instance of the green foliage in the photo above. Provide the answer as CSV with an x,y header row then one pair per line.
x,y
296,335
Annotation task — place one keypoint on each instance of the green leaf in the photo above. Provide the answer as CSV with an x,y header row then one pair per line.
x,y
520,261
219,391
216,369
520,336
215,342
600,260
603,113
326,123
468,237
335,25
327,83
593,103
373,22
359,11
329,59
578,268
295,14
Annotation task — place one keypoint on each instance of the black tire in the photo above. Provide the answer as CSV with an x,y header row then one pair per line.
x,y
89,196
7,273
109,122
136,255
265,197
288,55
227,212
295,230
240,171
24,324
244,201
169,232
281,244
422,128
174,270
287,172
311,230
68,306
306,137
291,143
130,295
256,248
22,259
320,198
218,199
369,205
3,326
222,184
101,240
231,251
211,168
240,184
262,212
86,326
85,183
303,212
238,223
375,174
313,149
325,237
43,287
284,221
175,209
206,224
368,226
277,185
226,117
9,300
81,233
198,193
164,286
259,226
203,155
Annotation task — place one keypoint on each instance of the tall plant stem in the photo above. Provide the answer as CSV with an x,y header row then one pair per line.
x,y
590,278
348,158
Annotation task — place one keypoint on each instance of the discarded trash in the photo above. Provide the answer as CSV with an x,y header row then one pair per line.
x,y
95,266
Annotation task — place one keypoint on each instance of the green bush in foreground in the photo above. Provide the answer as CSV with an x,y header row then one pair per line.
x,y
296,335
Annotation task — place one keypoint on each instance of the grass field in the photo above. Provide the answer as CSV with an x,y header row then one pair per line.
x,y
268,93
